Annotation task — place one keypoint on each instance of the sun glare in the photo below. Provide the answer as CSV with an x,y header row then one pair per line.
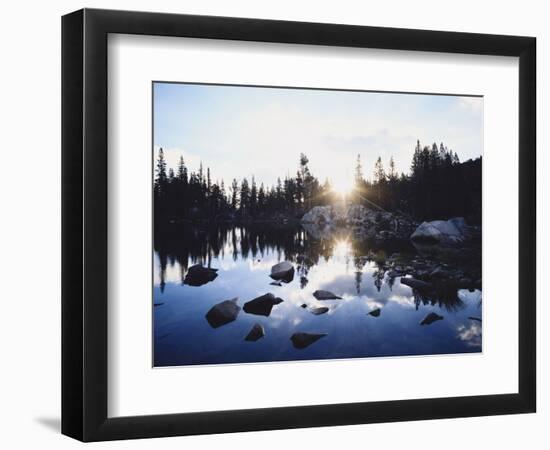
x,y
343,186
342,248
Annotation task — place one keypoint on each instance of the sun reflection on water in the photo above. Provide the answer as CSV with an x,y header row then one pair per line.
x,y
353,270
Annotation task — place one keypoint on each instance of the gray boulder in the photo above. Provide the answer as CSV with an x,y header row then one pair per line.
x,y
365,223
460,224
319,215
223,313
452,232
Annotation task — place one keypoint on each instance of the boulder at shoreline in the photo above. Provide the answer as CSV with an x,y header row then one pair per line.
x,y
453,232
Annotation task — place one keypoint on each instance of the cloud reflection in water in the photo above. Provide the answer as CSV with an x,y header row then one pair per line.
x,y
183,336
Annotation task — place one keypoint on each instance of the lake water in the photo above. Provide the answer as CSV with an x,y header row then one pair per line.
x,y
341,263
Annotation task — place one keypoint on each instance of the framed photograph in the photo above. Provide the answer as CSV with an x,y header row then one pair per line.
x,y
273,224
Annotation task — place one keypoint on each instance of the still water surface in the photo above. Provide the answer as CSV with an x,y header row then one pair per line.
x,y
350,268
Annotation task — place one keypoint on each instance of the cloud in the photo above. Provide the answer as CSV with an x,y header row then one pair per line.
x,y
261,132
471,335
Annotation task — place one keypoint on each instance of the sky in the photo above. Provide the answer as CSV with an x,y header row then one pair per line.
x,y
241,131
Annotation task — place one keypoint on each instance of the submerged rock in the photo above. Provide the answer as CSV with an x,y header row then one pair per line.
x,y
276,283
416,284
283,271
318,310
198,275
223,313
303,340
262,305
375,312
431,318
477,319
255,333
325,295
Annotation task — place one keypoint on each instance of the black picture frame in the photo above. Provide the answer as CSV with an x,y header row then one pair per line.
x,y
84,224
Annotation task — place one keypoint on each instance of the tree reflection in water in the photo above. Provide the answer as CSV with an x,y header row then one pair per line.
x,y
365,274
187,245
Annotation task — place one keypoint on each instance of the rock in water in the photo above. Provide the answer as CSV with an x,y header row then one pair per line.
x,y
223,313
198,275
255,333
416,284
431,318
450,232
325,295
275,283
303,340
283,271
375,312
318,311
303,305
262,305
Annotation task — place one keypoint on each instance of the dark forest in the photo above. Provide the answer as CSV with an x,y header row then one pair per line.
x,y
438,186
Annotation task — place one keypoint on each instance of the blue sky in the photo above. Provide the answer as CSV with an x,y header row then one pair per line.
x,y
245,131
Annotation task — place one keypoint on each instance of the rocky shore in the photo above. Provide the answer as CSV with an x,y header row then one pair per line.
x,y
364,222
448,252
426,273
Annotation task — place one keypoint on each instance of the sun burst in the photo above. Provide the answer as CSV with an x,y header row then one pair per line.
x,y
343,186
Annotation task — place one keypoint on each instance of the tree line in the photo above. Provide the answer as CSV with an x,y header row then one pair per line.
x,y
438,186
182,194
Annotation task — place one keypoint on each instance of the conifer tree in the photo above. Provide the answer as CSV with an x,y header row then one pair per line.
x,y
244,200
358,171
234,194
161,179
